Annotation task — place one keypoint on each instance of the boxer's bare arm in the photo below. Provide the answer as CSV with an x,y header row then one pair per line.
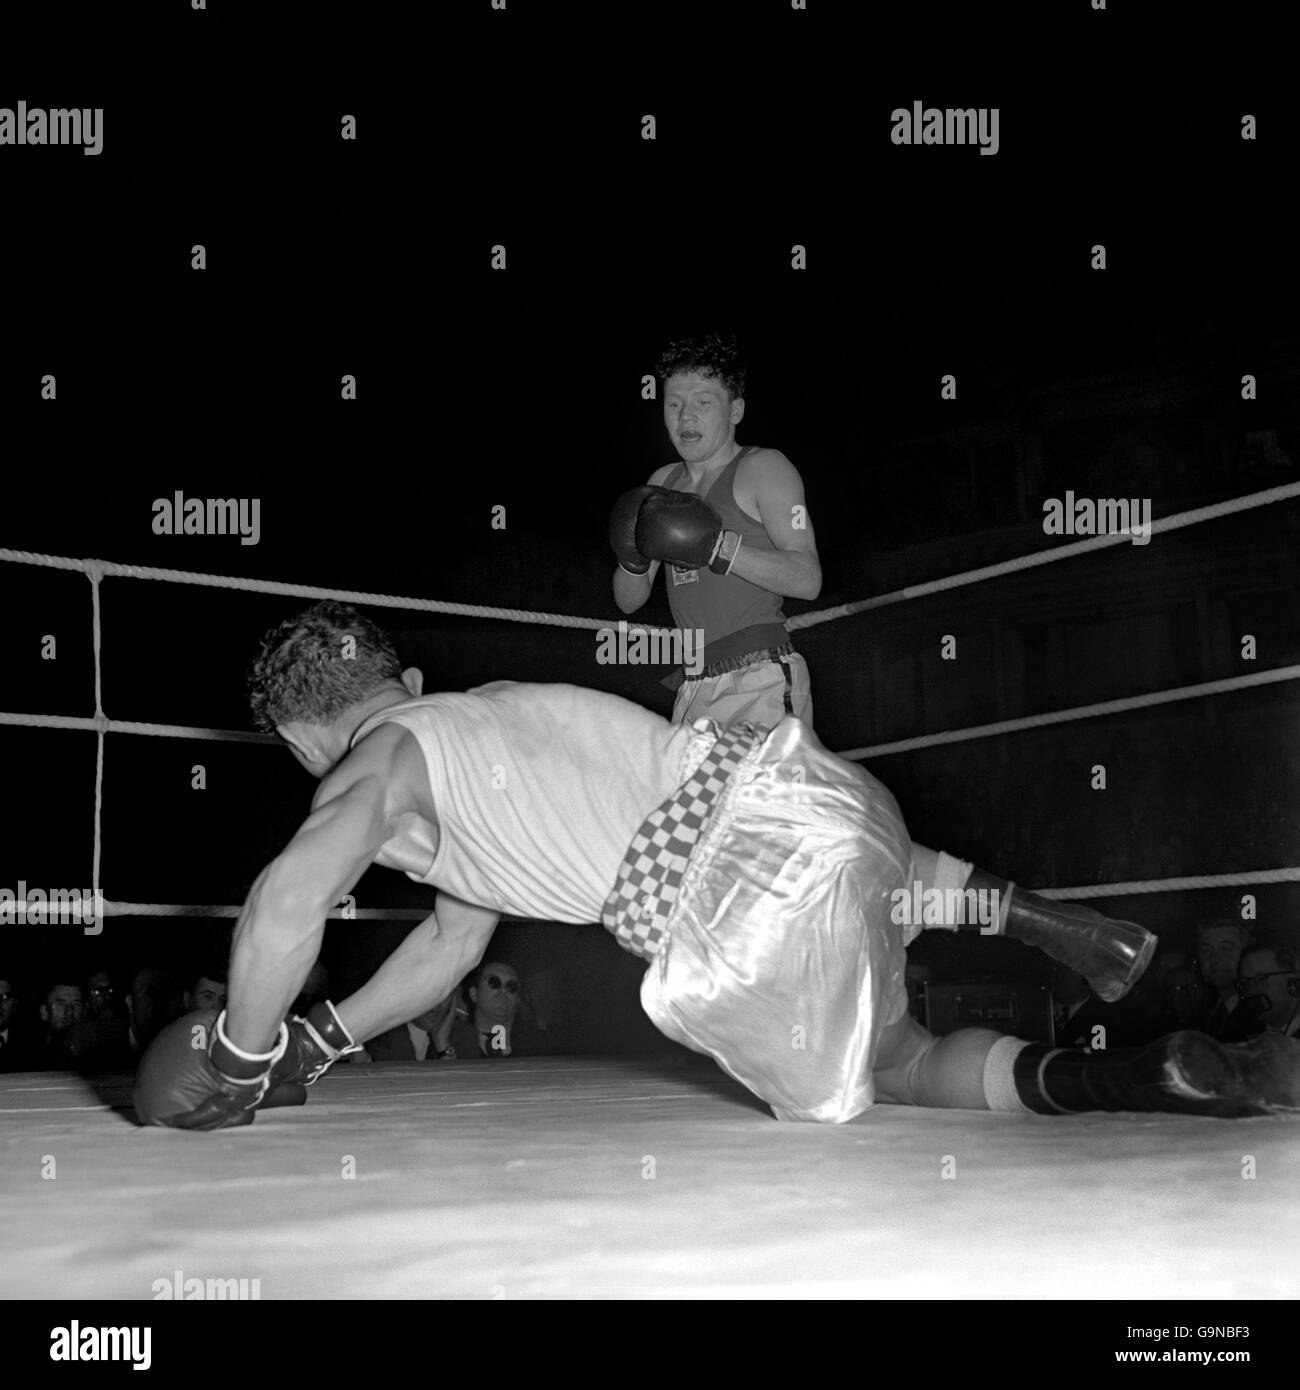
x,y
632,590
424,969
769,488
279,932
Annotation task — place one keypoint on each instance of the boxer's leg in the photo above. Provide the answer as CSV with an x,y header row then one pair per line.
x,y
938,870
1110,954
1184,1073
696,699
916,1068
798,692
762,694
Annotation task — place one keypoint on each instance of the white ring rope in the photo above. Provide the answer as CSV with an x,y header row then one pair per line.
x,y
1173,522
1066,716
1133,888
100,724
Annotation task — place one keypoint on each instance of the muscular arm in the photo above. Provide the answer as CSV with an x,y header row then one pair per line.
x,y
279,932
770,484
425,968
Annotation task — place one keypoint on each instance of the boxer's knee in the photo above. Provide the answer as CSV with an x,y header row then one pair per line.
x,y
947,1073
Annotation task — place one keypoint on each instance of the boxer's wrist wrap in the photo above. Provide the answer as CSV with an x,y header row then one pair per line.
x,y
328,1031
237,1066
724,553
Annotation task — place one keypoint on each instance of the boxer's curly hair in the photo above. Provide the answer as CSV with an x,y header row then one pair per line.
x,y
309,672
710,354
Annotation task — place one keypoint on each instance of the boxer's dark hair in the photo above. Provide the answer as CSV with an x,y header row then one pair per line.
x,y
710,354
302,675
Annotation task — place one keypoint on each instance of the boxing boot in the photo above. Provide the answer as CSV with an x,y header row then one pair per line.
x,y
1185,1073
1111,955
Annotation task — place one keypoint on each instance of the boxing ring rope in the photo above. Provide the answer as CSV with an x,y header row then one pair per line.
x,y
101,724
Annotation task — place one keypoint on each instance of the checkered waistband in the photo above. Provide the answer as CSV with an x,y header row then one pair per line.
x,y
645,890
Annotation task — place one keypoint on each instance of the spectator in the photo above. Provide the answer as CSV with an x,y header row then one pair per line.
x,y
63,1009
1269,985
100,1040
102,1000
1219,945
18,1049
150,1006
206,991
426,1038
1181,1000
492,1029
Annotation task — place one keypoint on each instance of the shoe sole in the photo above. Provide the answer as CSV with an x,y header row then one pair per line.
x,y
1112,991
1261,1076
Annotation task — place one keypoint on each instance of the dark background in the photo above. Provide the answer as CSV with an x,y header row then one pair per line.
x,y
523,390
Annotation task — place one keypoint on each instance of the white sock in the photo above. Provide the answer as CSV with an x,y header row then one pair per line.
x,y
999,1076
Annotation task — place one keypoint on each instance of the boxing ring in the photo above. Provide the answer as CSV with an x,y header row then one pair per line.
x,y
564,1178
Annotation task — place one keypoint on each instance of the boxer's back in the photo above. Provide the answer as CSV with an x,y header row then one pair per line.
x,y
535,791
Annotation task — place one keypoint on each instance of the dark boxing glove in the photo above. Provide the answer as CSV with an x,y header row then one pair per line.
x,y
684,530
315,1043
193,1077
622,529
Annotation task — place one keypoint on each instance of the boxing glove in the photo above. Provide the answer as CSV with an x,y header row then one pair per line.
x,y
314,1044
684,530
622,529
192,1077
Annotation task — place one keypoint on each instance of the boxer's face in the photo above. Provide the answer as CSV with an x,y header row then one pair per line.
x,y
699,415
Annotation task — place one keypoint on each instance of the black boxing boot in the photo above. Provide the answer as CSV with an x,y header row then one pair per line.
x,y
1184,1073
1111,955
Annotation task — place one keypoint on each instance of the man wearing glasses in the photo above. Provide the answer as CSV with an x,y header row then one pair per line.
x,y
494,996
1269,985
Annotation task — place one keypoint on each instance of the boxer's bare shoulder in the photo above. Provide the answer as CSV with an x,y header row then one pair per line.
x,y
390,757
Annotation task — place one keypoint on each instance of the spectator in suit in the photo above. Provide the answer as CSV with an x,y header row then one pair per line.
x,y
493,993
150,1006
1269,985
18,1047
426,1038
1219,944
63,1009
100,1040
